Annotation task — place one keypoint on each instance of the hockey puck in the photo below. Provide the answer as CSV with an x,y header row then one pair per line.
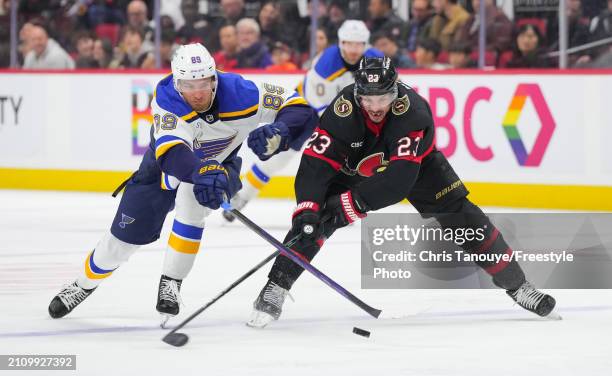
x,y
361,332
176,339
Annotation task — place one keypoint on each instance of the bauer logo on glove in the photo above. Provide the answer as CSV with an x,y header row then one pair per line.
x,y
212,167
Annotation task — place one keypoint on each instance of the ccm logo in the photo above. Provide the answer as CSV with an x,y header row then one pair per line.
x,y
357,144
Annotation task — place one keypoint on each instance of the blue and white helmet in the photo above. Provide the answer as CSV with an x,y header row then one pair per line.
x,y
192,62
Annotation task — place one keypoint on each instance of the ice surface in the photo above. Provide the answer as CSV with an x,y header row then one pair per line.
x,y
46,235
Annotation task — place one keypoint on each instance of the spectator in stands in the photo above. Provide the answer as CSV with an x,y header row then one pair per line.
x,y
253,52
233,10
382,18
197,28
172,9
166,49
25,40
101,12
459,56
281,58
269,22
84,44
137,17
102,53
45,52
294,29
322,42
167,23
577,27
225,58
449,19
133,51
5,49
337,15
601,25
426,54
385,42
528,50
419,23
498,28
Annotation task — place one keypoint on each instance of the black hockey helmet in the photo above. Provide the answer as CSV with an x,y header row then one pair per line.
x,y
375,76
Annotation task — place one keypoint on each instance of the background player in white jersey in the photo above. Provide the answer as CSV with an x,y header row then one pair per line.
x,y
201,117
330,73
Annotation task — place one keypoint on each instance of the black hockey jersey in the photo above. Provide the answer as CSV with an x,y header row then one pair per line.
x,y
378,161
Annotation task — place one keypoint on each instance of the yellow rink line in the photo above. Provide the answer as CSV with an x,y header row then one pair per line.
x,y
544,196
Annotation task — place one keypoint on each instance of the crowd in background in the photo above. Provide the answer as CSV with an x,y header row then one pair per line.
x,y
274,35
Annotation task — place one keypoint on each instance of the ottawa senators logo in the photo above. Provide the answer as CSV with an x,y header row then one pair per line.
x,y
400,105
372,164
343,107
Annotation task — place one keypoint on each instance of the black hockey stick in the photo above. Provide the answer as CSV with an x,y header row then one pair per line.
x,y
297,258
180,339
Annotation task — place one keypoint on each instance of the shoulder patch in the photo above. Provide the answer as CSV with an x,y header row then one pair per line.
x,y
343,107
400,105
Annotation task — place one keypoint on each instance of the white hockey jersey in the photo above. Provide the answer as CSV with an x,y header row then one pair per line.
x,y
238,108
328,77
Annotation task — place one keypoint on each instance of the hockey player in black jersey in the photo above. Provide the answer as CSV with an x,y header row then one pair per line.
x,y
375,146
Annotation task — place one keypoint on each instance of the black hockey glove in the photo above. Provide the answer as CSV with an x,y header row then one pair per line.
x,y
305,220
343,209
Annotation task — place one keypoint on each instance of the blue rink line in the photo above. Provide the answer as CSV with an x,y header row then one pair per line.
x,y
127,329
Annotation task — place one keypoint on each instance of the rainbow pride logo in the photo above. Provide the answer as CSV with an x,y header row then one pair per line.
x,y
532,91
141,113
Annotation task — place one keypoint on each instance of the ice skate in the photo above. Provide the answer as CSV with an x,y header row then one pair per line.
x,y
534,301
67,299
237,203
168,298
268,305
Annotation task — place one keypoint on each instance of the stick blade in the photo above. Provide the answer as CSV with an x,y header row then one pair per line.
x,y
176,339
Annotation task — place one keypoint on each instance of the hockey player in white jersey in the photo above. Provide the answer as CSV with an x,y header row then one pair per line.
x,y
201,117
330,73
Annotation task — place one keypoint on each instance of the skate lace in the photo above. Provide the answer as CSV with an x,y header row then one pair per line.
x,y
528,296
71,295
169,290
274,294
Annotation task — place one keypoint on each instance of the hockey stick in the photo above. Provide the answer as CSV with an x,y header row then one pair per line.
x,y
180,339
297,258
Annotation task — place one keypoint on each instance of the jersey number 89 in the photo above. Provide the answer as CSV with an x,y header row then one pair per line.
x,y
318,142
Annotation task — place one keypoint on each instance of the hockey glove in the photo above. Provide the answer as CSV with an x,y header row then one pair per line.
x,y
233,167
269,139
211,184
343,210
305,220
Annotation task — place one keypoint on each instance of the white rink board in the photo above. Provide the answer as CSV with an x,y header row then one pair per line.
x,y
87,122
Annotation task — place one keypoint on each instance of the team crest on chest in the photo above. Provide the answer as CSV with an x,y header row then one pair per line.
x,y
372,164
343,107
400,105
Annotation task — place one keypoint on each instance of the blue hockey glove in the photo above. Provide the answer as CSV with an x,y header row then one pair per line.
x,y
233,167
269,139
211,184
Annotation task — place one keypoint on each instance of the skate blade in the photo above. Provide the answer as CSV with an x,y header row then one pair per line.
x,y
164,317
553,316
259,320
